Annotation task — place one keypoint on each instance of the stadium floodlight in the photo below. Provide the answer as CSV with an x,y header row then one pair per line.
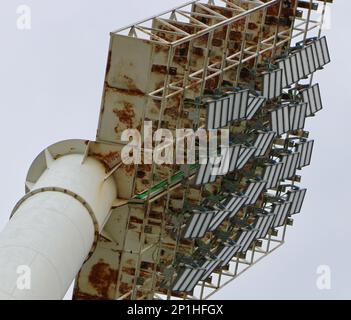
x,y
255,103
280,210
226,253
245,239
263,142
272,174
198,224
297,115
253,191
311,65
280,120
207,173
290,70
187,279
209,266
320,52
305,150
302,63
288,117
263,223
217,113
312,96
232,206
169,69
245,154
272,84
290,162
217,220
296,196
230,158
238,105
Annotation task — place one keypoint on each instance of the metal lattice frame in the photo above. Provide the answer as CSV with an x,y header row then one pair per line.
x,y
171,31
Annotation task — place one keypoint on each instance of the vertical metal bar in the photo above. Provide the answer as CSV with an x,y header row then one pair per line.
x,y
242,51
276,38
307,21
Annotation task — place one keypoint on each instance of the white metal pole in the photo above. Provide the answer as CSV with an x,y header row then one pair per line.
x,y
53,229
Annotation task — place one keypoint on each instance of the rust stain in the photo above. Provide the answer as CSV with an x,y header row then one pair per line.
x,y
128,92
101,277
126,115
107,158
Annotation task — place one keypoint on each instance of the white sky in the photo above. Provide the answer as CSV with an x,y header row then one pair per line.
x,y
51,83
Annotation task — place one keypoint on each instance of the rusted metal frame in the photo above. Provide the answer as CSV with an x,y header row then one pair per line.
x,y
233,5
276,38
154,16
309,29
233,274
199,14
243,271
174,33
232,65
163,106
242,51
169,25
185,81
160,243
187,14
119,275
141,243
169,291
225,22
185,39
152,35
212,12
206,67
260,38
307,21
225,55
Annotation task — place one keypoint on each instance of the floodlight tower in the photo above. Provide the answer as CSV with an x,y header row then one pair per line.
x,y
176,231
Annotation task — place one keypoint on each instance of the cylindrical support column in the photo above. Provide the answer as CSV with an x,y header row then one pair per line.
x,y
53,229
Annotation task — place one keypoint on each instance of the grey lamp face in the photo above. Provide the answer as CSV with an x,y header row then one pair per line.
x,y
289,117
231,156
305,150
253,191
188,279
296,197
290,71
264,224
272,174
245,154
290,162
272,84
217,220
233,204
199,224
255,103
263,143
280,211
312,97
233,106
209,266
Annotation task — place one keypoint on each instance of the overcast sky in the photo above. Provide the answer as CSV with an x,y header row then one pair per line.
x,y
51,80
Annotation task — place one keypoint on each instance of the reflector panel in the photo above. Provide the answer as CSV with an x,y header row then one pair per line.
x,y
272,84
198,224
305,150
